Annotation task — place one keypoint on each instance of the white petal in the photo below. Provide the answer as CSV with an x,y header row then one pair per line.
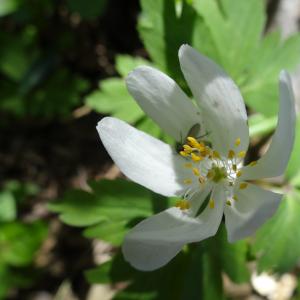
x,y
142,158
156,240
222,106
162,99
275,160
252,209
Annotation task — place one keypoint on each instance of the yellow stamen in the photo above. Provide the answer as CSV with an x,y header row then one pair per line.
x,y
242,154
192,142
253,163
243,185
235,198
187,148
196,157
196,171
238,173
237,142
182,204
231,154
211,203
188,165
228,203
187,181
183,153
216,154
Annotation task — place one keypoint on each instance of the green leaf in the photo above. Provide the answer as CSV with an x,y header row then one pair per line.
x,y
278,242
147,125
19,242
110,200
110,231
260,88
233,257
192,274
240,22
8,6
163,32
113,98
259,125
294,163
126,63
7,207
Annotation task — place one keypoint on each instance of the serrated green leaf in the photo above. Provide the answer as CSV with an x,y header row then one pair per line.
x,y
110,231
110,200
277,243
113,98
163,32
239,23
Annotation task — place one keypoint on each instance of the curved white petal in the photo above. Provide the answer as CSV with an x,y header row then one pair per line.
x,y
142,158
253,208
156,240
222,106
275,160
163,100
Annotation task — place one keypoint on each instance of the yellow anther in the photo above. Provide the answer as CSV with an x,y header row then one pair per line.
x,y
253,163
228,203
205,151
211,203
216,154
243,185
201,179
182,204
188,165
242,154
187,181
196,157
234,167
235,198
187,148
231,154
192,142
238,173
196,171
237,142
183,153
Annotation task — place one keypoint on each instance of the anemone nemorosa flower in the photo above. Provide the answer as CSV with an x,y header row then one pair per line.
x,y
208,167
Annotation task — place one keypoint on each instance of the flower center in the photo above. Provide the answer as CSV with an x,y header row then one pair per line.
x,y
207,165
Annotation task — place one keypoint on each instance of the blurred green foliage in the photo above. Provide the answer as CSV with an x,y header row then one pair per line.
x,y
39,79
19,241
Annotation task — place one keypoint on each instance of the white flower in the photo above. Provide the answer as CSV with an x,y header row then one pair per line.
x,y
216,137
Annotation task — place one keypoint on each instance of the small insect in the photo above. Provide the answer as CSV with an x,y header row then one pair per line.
x,y
193,132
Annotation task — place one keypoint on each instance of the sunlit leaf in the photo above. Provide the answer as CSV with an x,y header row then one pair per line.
x,y
114,99
278,241
110,200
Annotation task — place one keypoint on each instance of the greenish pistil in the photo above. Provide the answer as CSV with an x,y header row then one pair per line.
x,y
219,174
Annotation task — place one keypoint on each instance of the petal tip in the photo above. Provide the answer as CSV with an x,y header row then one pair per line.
x,y
183,48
